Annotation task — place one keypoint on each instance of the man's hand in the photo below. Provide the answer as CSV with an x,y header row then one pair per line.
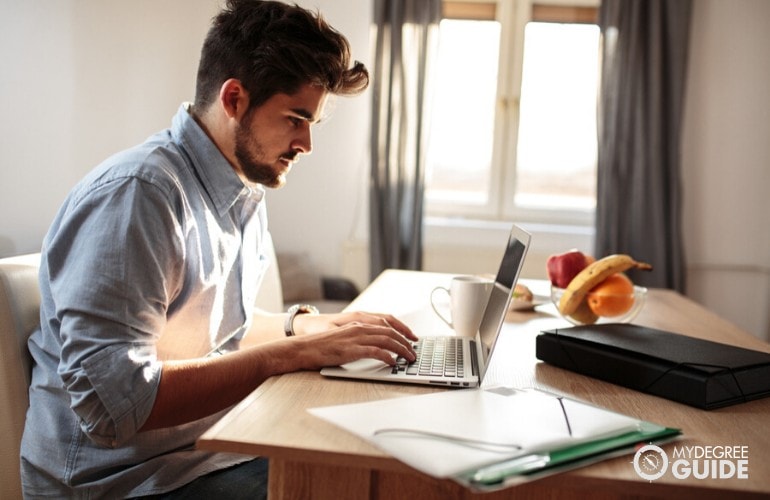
x,y
335,339
317,323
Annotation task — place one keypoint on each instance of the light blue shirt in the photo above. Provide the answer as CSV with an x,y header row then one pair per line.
x,y
155,255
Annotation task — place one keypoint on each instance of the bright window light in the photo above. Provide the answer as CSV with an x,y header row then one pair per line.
x,y
556,152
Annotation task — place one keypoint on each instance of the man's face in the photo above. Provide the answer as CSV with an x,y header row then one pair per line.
x,y
270,137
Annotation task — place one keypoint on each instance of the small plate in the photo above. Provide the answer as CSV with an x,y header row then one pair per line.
x,y
525,305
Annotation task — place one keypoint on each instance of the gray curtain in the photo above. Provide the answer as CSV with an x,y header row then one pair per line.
x,y
645,45
406,36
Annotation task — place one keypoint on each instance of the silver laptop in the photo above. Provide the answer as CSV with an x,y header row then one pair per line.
x,y
464,360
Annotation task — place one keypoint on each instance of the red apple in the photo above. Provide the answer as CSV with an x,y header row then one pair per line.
x,y
565,266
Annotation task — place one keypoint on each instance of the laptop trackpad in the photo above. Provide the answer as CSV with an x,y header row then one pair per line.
x,y
367,365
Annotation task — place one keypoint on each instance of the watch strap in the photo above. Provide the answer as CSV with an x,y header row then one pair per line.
x,y
288,326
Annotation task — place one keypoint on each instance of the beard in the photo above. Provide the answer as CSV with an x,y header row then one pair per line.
x,y
250,154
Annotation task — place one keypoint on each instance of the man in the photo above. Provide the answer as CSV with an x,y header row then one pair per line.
x,y
150,269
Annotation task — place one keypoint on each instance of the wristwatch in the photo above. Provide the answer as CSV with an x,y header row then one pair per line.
x,y
288,326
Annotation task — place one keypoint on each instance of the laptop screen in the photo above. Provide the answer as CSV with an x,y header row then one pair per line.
x,y
500,297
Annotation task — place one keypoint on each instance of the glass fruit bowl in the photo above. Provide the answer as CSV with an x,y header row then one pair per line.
x,y
612,307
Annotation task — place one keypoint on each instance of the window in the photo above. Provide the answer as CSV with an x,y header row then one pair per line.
x,y
513,126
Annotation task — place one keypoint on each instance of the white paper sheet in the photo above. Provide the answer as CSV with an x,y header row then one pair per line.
x,y
448,433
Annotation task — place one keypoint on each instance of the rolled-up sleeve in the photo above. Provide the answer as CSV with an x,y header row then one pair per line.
x,y
112,408
112,287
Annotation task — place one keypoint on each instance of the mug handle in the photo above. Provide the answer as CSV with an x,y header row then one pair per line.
x,y
433,305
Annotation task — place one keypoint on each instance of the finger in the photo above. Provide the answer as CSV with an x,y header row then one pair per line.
x,y
387,348
393,334
390,321
382,337
405,350
400,327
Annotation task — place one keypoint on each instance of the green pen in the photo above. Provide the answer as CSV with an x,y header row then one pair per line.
x,y
497,472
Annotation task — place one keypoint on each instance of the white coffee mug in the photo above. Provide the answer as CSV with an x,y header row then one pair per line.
x,y
468,297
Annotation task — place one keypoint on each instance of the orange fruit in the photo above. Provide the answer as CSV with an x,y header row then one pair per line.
x,y
612,297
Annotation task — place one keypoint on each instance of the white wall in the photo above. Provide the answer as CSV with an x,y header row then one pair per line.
x,y
726,161
81,79
325,200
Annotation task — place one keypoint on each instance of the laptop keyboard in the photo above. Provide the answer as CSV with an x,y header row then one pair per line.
x,y
436,357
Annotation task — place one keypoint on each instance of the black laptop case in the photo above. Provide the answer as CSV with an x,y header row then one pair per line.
x,y
696,372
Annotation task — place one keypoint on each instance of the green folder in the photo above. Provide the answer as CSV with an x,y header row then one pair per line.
x,y
543,461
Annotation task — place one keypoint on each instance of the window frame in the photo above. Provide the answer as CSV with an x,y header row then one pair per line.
x,y
513,16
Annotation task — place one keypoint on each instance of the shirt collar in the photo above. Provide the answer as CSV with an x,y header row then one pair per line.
x,y
218,178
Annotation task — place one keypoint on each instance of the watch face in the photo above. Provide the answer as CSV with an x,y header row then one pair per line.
x,y
302,309
650,462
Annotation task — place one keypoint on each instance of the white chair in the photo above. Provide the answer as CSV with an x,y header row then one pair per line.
x,y
270,294
19,316
293,278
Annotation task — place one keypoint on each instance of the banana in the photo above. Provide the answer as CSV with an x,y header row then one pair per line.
x,y
583,314
594,274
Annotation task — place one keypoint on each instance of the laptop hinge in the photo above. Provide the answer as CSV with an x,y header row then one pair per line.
x,y
474,359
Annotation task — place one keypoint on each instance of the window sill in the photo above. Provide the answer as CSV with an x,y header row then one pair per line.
x,y
448,243
478,232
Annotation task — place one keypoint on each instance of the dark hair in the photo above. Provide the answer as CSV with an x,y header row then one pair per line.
x,y
272,47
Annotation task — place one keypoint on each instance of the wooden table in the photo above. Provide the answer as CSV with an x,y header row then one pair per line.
x,y
310,458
